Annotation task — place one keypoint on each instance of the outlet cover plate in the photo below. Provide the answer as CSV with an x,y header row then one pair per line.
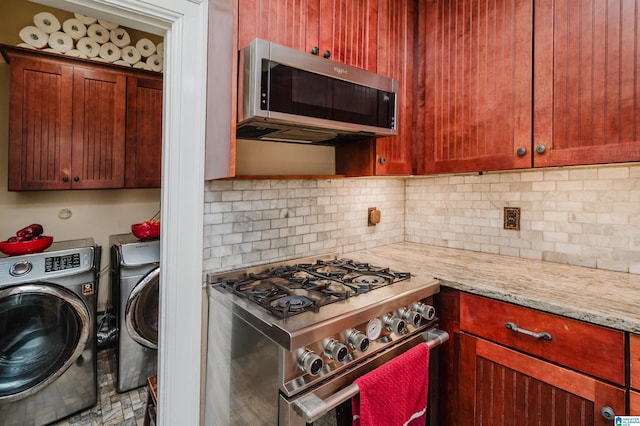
x,y
512,218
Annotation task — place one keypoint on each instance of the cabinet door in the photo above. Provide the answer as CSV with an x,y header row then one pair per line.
x,y
39,125
347,31
99,102
477,76
587,91
286,22
499,386
144,132
395,60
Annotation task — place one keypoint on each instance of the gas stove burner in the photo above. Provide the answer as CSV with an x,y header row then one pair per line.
x,y
293,303
369,282
331,270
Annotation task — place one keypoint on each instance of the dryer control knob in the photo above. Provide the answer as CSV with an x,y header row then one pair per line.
x,y
21,268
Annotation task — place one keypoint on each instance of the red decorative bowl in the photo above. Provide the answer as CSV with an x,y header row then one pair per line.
x,y
146,230
18,248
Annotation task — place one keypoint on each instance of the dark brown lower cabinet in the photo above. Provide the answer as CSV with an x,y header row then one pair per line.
x,y
500,386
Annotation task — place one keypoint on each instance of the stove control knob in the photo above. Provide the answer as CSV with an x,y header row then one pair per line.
x,y
412,317
336,351
427,311
394,324
358,341
310,362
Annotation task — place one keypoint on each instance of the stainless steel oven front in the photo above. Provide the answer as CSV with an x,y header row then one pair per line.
x,y
266,368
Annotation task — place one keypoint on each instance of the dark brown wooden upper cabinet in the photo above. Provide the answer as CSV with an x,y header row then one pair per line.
x,y
586,82
341,30
40,132
144,132
476,76
69,119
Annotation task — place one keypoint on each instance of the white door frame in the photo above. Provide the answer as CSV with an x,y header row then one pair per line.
x,y
184,26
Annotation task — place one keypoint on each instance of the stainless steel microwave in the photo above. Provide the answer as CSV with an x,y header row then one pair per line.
x,y
287,95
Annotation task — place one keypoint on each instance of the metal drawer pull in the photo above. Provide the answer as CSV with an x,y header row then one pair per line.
x,y
312,407
542,335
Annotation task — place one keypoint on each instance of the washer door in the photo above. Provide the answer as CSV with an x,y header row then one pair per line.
x,y
43,330
141,313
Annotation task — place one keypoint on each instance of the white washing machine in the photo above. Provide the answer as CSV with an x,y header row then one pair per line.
x,y
48,362
135,280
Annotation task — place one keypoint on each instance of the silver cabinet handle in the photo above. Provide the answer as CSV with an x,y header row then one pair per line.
x,y
542,335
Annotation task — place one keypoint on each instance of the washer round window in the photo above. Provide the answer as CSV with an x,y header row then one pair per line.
x,y
43,329
142,310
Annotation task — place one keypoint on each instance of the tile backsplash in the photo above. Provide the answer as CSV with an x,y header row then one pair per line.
x,y
249,222
586,216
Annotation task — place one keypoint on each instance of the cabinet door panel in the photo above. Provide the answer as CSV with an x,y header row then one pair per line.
x,y
99,99
510,388
348,30
286,22
395,60
39,125
144,132
587,94
477,84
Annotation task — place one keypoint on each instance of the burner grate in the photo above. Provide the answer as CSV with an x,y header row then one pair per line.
x,y
289,290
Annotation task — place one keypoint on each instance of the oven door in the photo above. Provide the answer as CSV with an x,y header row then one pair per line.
x,y
330,403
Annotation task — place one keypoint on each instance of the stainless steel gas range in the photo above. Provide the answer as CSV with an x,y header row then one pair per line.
x,y
286,341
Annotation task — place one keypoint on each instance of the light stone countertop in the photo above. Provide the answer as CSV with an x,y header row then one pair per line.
x,y
607,298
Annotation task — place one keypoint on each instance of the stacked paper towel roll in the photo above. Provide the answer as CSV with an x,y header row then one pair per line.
x,y
91,38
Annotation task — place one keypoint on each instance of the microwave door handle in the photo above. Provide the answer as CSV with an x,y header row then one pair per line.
x,y
311,407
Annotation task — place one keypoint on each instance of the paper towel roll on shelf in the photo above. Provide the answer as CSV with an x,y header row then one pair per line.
x,y
108,25
122,63
146,47
87,20
60,41
74,28
119,37
155,62
142,65
88,47
75,53
34,36
47,22
51,50
130,54
160,49
98,59
98,33
110,52
25,46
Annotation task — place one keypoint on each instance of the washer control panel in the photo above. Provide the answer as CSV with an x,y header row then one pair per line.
x,y
46,265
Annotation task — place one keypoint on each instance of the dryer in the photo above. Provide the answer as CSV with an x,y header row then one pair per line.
x,y
48,360
135,280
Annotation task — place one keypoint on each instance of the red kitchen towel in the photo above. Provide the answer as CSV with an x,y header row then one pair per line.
x,y
394,394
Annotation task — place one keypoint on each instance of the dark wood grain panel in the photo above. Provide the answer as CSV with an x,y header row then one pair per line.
x,y
634,361
99,101
144,133
500,386
587,90
348,30
478,66
395,60
285,22
507,397
39,130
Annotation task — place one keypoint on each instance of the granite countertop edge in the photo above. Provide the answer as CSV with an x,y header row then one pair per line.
x,y
606,298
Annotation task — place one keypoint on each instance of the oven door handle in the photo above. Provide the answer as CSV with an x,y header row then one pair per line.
x,y
312,407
